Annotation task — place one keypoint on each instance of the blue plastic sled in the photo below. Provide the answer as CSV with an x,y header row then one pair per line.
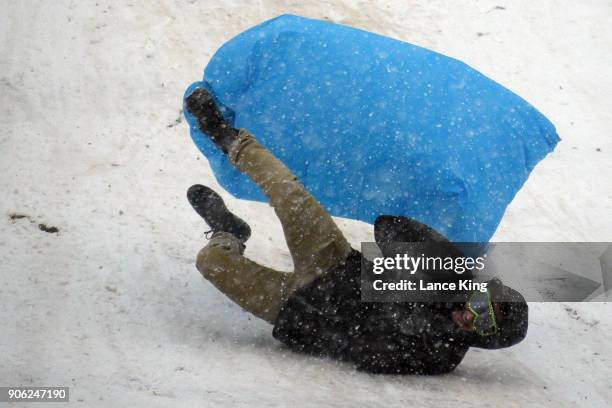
x,y
372,125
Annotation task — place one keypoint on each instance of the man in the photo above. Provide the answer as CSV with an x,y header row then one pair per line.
x,y
318,309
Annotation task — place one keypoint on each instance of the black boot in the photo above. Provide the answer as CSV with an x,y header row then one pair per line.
x,y
210,119
210,206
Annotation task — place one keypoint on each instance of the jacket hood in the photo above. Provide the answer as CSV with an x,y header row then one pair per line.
x,y
391,228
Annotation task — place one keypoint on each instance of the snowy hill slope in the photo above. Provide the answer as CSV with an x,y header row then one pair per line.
x,y
92,143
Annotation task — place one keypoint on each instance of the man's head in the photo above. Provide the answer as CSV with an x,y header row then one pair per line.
x,y
500,322
508,307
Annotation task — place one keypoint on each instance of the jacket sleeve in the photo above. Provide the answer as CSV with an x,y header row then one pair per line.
x,y
387,356
408,344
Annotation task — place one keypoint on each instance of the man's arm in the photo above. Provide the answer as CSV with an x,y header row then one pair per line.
x,y
405,339
385,355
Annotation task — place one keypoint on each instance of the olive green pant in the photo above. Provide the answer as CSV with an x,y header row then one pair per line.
x,y
314,240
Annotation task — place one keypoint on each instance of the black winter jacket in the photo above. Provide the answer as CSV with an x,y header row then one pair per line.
x,y
327,318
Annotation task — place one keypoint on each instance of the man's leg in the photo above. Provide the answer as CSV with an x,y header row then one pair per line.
x,y
257,289
315,242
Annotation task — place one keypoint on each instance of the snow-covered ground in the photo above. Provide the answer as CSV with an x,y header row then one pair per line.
x,y
92,142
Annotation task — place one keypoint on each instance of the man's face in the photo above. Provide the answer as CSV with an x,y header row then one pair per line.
x,y
464,318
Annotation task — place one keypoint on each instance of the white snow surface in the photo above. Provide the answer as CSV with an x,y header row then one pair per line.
x,y
92,141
